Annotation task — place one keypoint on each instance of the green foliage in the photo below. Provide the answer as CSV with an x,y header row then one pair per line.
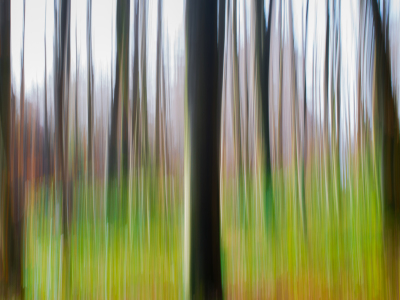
x,y
136,257
265,251
341,253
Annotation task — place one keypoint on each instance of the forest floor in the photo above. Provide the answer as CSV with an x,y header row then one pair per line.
x,y
273,247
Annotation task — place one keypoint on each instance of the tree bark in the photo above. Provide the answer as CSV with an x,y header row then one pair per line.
x,y
63,71
145,145
5,99
263,40
387,134
204,127
158,87
135,91
90,90
120,95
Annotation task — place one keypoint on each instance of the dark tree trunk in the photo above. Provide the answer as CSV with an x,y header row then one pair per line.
x,y
125,89
135,91
120,94
204,127
112,153
145,141
5,98
22,151
263,40
63,71
158,87
280,112
388,125
326,116
221,46
90,90
388,134
18,204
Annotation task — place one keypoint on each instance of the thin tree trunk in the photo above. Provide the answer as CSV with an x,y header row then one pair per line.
x,y
135,92
19,204
120,95
90,92
5,99
76,103
46,126
305,141
145,145
158,91
280,125
263,41
62,72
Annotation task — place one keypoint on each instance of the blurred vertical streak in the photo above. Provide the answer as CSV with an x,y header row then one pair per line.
x,y
143,88
387,133
221,46
158,91
135,93
21,160
120,102
296,122
62,44
280,99
204,121
305,127
237,111
135,110
246,113
143,109
326,104
263,38
164,129
18,205
46,160
5,99
90,103
76,177
223,39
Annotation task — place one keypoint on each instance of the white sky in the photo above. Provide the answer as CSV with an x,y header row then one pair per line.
x,y
103,26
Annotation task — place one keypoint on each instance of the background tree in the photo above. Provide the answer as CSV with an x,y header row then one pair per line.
x,y
262,48
119,97
90,90
46,125
5,99
60,104
135,90
143,61
158,88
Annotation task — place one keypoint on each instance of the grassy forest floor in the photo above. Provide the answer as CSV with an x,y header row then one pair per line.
x,y
274,245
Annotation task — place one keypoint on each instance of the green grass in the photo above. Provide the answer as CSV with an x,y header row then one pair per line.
x,y
269,250
338,255
136,259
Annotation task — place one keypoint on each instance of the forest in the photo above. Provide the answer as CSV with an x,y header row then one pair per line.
x,y
199,149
